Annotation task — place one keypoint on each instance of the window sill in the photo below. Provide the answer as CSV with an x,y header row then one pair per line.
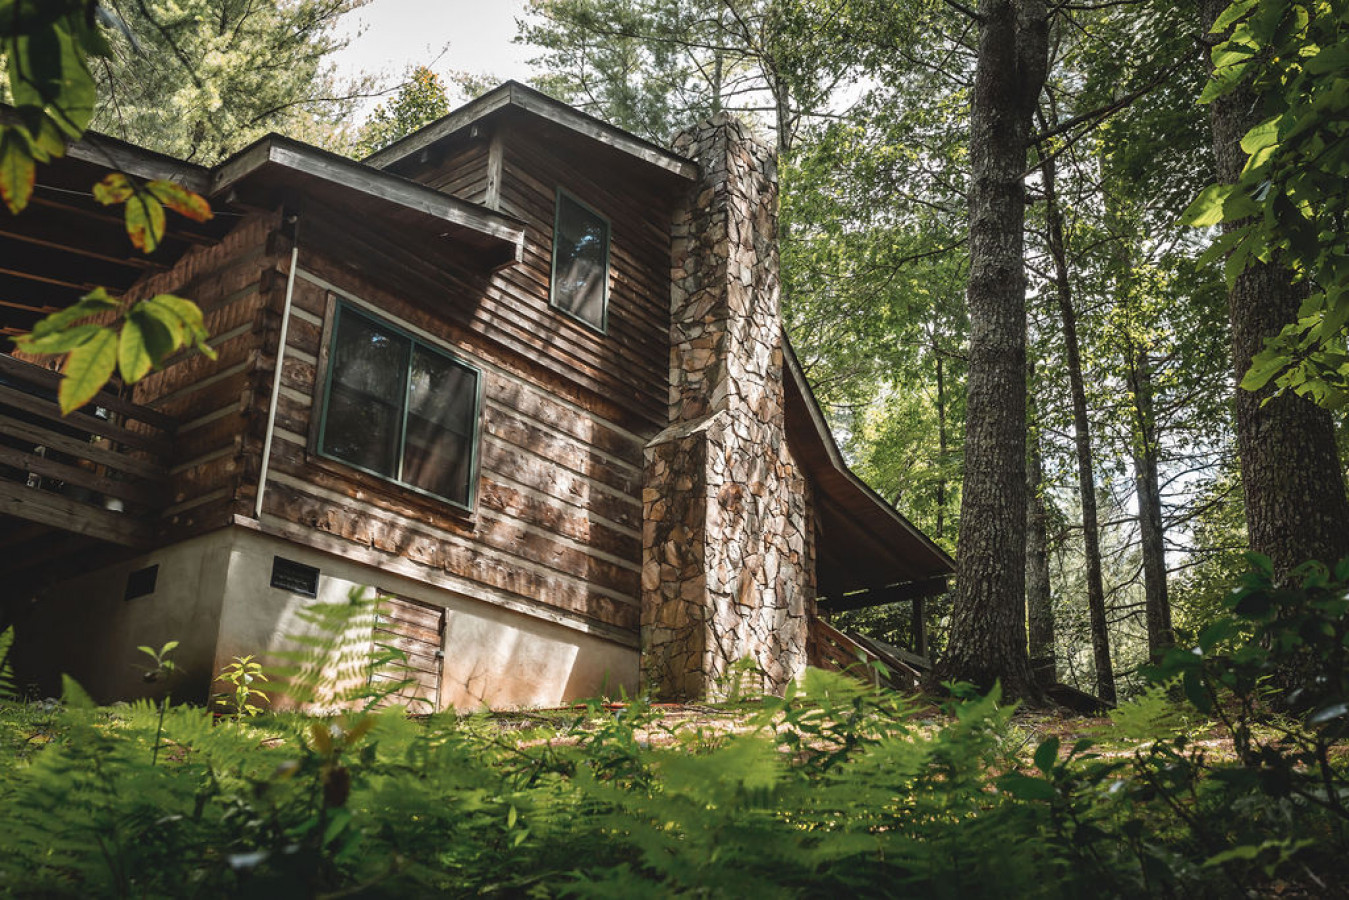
x,y
364,487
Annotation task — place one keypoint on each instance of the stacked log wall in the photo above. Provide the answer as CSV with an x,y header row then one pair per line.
x,y
555,530
233,282
627,363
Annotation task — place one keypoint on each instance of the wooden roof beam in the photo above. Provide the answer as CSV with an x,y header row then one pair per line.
x,y
894,593
134,262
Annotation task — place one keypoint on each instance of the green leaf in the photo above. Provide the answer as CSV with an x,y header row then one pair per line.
x,y
58,341
1222,245
1228,17
1207,208
93,303
1266,364
1195,691
18,169
1047,754
87,370
1266,134
1329,59
1024,787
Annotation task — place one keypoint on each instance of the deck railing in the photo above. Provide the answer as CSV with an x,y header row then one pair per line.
x,y
834,650
97,472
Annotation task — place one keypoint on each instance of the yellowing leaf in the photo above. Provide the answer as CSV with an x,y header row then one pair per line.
x,y
87,369
145,222
94,303
133,356
18,171
180,200
115,188
57,341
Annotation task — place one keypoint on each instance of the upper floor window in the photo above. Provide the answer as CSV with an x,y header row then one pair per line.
x,y
580,278
400,409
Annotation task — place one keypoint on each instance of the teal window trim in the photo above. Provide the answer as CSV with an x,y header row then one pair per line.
x,y
474,432
603,326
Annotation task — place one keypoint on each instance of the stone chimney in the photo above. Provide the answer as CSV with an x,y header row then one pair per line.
x,y
728,543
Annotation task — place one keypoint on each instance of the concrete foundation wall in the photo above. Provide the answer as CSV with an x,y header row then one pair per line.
x,y
493,657
84,628
213,595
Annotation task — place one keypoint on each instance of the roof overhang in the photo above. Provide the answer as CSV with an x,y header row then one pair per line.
x,y
515,96
867,552
280,168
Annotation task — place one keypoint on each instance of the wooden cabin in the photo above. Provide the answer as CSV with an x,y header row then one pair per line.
x,y
521,372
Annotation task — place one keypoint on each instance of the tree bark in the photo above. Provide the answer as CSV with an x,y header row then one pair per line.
x,y
941,443
1296,509
988,628
1086,469
1148,489
1039,600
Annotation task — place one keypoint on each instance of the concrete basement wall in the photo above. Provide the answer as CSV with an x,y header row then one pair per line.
x,y
84,627
213,595
493,657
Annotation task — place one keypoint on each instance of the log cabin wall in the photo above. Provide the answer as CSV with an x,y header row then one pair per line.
x,y
555,530
629,363
235,282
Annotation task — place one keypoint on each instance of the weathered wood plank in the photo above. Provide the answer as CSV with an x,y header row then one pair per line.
x,y
147,493
80,448
60,512
48,410
463,558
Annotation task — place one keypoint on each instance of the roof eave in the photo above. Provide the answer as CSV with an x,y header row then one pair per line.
x,y
514,94
275,151
793,367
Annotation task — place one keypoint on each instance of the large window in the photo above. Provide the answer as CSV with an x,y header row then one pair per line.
x,y
399,408
580,282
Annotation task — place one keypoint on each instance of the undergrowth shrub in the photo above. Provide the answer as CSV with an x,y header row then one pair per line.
x,y
835,789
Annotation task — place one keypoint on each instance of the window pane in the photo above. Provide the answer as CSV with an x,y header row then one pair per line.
x,y
365,399
580,258
437,454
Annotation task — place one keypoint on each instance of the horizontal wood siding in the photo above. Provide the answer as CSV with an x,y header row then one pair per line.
x,y
233,282
629,363
557,518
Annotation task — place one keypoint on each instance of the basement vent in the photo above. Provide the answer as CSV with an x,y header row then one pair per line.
x,y
141,582
295,577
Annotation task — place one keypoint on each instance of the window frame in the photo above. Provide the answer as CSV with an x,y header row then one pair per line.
x,y
603,327
341,307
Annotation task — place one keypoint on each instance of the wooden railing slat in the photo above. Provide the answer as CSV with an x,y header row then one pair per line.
x,y
68,515
46,378
81,448
48,410
141,491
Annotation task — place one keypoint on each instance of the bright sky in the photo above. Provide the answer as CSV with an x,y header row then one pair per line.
x,y
396,34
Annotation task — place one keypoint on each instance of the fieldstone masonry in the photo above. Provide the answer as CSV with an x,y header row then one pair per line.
x,y
728,541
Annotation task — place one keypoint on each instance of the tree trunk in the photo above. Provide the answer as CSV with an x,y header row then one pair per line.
x,y
988,628
941,444
1148,488
1296,509
1086,471
1039,601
